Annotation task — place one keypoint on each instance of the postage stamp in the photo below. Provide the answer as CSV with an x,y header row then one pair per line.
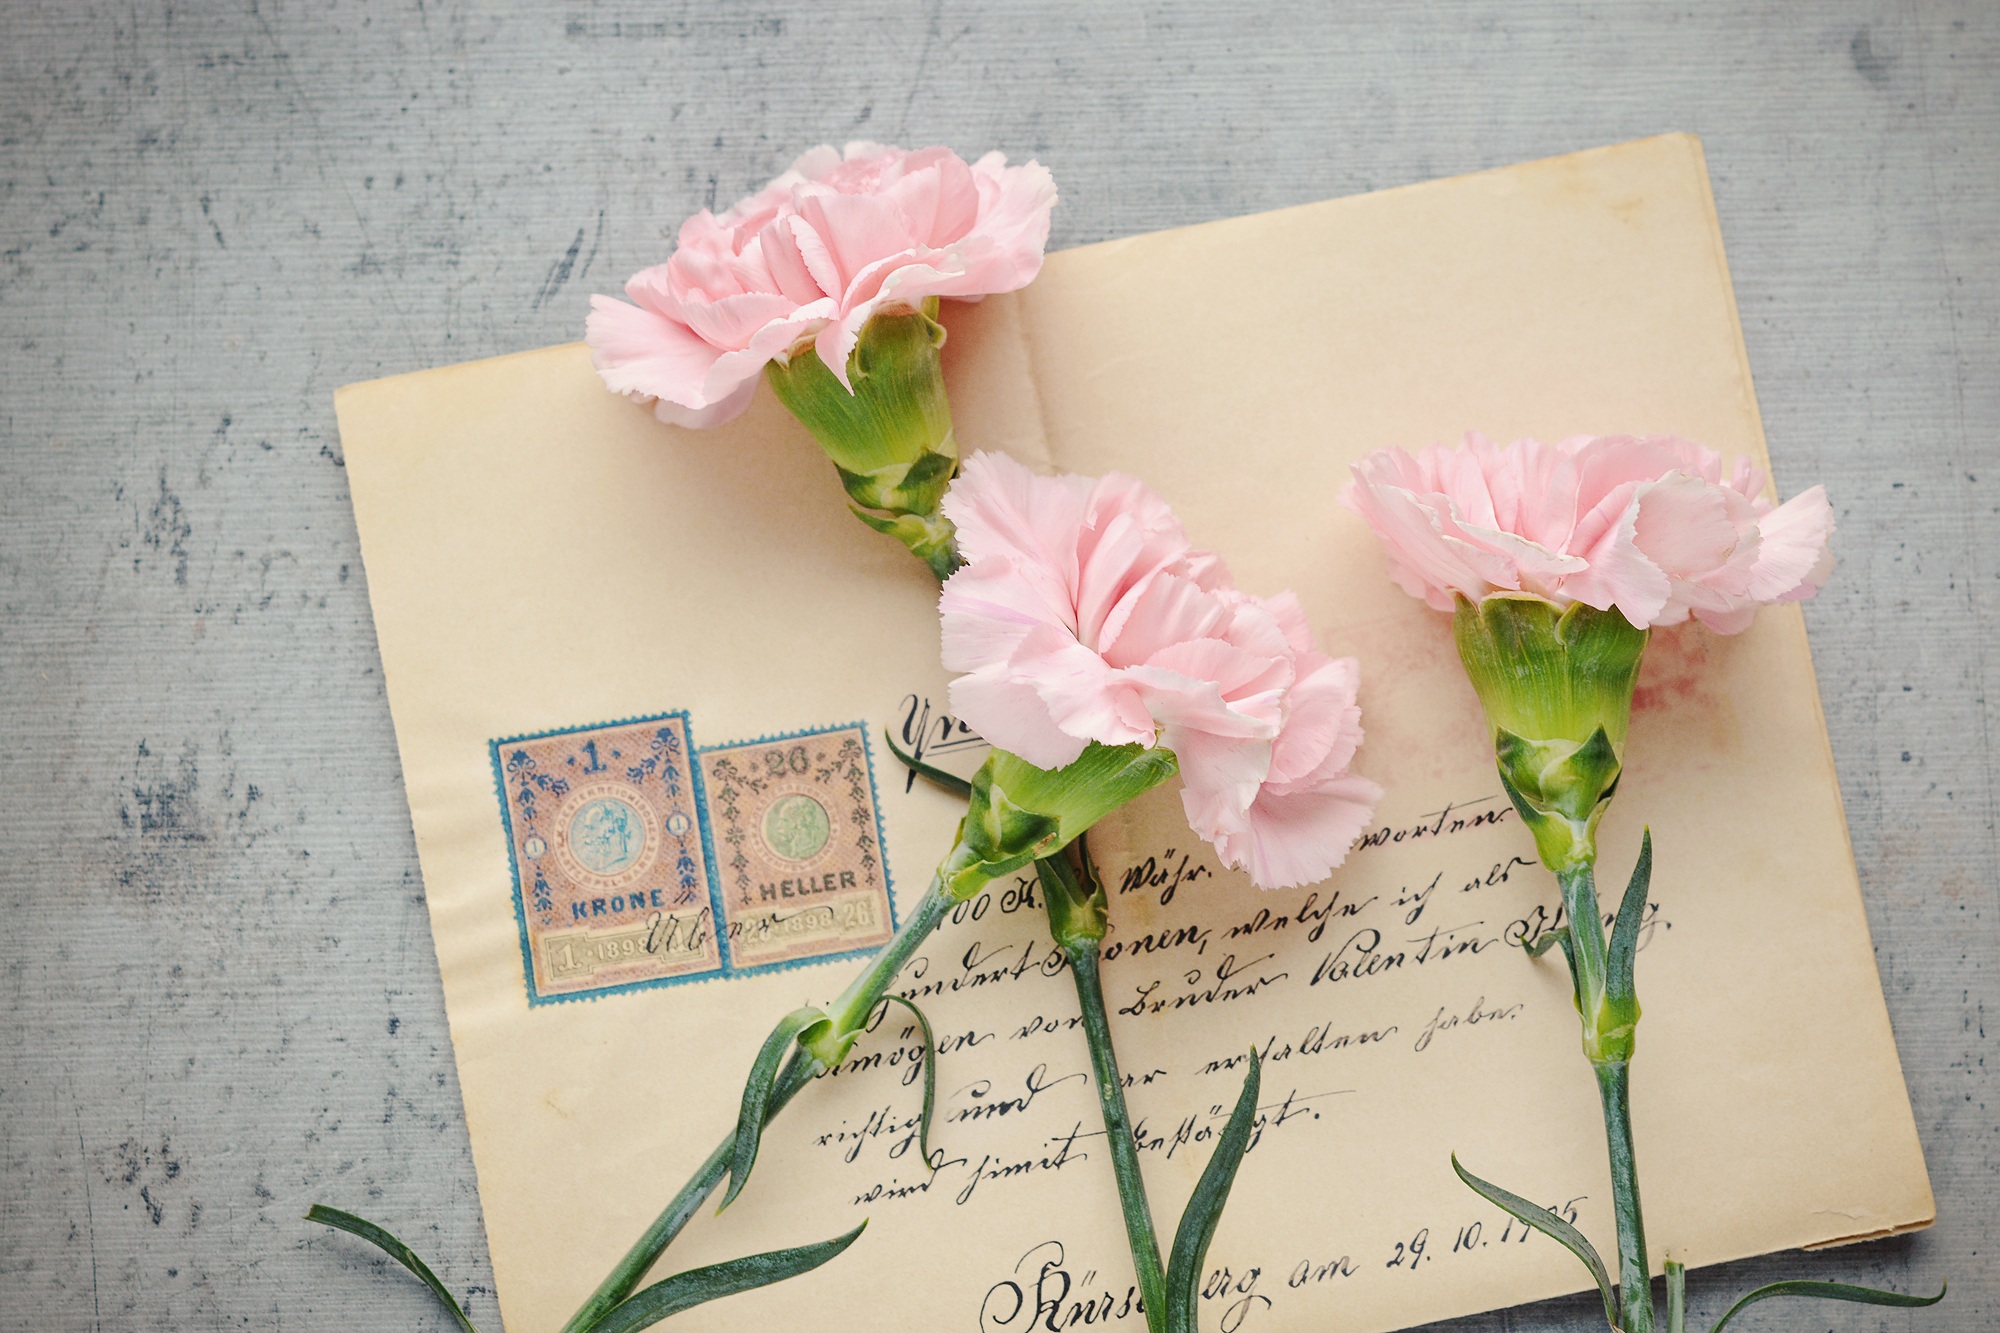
x,y
798,841
611,877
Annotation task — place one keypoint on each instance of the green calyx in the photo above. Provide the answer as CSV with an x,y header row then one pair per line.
x,y
1079,911
890,438
1561,791
1550,673
1556,684
1020,813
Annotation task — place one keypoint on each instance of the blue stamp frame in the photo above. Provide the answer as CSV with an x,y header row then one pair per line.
x,y
699,799
881,844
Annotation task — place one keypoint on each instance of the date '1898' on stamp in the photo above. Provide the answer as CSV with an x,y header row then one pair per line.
x,y
613,841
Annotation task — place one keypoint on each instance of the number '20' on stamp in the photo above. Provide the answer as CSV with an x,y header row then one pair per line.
x,y
614,846
798,845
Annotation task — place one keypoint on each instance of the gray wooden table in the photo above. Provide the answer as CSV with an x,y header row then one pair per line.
x,y
220,1000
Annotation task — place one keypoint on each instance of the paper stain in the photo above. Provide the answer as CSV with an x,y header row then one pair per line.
x,y
1682,676
1421,719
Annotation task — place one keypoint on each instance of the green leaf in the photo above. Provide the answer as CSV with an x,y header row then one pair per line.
x,y
930,537
951,782
1014,829
930,1080
1019,813
1093,883
1829,1291
1677,1297
1546,1222
684,1291
1077,795
1568,942
1562,843
395,1249
1547,940
1618,986
1204,1209
1560,935
1589,776
899,526
757,1093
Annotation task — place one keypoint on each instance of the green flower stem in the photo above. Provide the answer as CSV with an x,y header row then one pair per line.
x,y
1676,1297
1589,967
849,1014
1077,919
1556,685
1635,1279
1608,1027
624,1279
1139,1230
1000,834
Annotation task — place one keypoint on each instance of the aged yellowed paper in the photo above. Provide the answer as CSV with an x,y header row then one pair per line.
x,y
551,570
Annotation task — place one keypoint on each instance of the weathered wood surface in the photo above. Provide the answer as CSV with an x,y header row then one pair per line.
x,y
220,998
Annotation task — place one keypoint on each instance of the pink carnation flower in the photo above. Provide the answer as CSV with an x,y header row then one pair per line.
x,y
1083,614
809,258
1650,525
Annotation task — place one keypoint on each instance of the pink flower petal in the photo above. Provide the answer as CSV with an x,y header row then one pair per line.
x,y
1729,620
730,324
1794,560
1220,776
789,271
1294,838
1001,508
647,355
1084,695
1655,526
855,231
1322,722
865,228
1423,557
1620,575
1011,716
1688,527
1083,615
1216,688
1167,609
938,200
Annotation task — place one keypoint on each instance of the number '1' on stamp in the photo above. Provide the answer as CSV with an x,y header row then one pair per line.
x,y
610,869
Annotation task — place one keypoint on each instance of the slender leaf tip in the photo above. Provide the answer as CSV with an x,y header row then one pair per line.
x,y
1204,1209
1546,1222
950,782
697,1286
382,1239
1829,1291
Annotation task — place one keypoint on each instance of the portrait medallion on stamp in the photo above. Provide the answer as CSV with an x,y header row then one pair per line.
x,y
798,843
611,878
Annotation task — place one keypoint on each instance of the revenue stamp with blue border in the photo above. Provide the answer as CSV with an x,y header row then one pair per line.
x,y
612,888
798,847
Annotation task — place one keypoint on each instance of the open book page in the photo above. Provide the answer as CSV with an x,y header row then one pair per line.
x,y
640,677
